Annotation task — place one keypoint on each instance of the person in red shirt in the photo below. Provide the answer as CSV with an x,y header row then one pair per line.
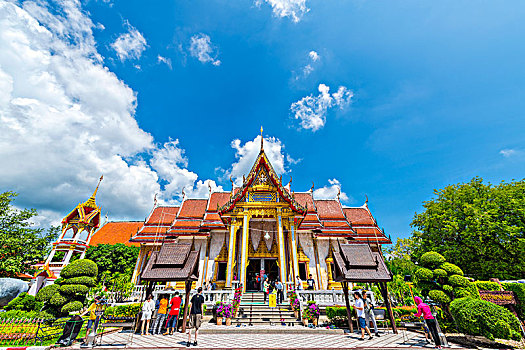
x,y
173,314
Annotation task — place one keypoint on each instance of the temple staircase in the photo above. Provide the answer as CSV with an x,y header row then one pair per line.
x,y
254,311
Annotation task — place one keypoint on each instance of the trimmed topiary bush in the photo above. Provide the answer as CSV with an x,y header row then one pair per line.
x,y
58,300
423,274
45,294
85,280
479,317
439,296
439,273
71,307
458,281
81,267
24,302
77,289
487,285
448,289
431,259
451,269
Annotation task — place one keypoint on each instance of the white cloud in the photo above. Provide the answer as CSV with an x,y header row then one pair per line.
x,y
330,191
311,110
313,61
508,152
165,60
202,49
247,153
130,45
314,56
295,9
65,119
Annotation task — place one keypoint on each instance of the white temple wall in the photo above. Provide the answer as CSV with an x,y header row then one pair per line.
x,y
322,248
306,242
216,243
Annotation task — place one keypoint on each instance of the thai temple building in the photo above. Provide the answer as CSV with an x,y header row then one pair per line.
x,y
261,226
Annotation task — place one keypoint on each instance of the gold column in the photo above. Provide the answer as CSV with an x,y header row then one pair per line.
x,y
244,248
231,253
282,258
138,264
293,245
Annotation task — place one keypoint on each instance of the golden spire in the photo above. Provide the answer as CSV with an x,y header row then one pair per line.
x,y
262,139
91,201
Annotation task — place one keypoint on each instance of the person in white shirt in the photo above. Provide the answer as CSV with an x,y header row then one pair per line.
x,y
369,312
298,283
147,311
360,309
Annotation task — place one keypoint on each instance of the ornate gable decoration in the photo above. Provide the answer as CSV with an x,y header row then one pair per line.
x,y
262,185
85,214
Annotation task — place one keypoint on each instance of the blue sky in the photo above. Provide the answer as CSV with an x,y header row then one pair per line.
x,y
407,96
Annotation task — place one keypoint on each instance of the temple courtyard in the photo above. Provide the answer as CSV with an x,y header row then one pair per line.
x,y
266,337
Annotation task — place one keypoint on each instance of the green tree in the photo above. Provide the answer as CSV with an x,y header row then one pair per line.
x,y
480,227
21,244
113,258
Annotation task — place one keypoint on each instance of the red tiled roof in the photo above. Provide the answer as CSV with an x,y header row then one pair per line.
x,y
193,208
358,216
116,232
305,199
329,209
163,215
218,198
186,223
154,229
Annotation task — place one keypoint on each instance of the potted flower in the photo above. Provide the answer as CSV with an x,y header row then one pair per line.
x,y
228,313
313,312
306,317
296,307
220,312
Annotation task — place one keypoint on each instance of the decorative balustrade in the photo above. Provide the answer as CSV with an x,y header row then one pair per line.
x,y
322,297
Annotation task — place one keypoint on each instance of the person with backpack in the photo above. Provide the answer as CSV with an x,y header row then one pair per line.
x,y
161,315
196,312
369,312
360,310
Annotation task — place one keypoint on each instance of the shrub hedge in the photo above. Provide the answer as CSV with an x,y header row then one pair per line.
x,y
451,269
487,285
57,300
81,267
448,289
432,259
85,280
519,292
479,317
45,294
440,273
24,302
127,310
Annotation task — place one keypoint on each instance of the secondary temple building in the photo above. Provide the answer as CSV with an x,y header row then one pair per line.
x,y
262,225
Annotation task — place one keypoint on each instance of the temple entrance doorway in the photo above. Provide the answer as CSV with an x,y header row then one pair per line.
x,y
256,265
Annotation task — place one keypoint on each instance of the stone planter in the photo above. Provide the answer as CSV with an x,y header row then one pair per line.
x,y
228,321
219,321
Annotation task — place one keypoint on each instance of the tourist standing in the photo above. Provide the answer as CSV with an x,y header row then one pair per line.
x,y
360,309
266,289
264,279
93,318
424,309
161,315
280,294
298,283
173,314
310,282
196,311
147,311
369,312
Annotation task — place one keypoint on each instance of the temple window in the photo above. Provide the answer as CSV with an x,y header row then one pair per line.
x,y
221,271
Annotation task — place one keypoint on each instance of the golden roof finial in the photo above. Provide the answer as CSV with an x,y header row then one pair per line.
x,y
262,139
91,201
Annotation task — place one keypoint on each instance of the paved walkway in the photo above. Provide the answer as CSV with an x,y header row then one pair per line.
x,y
245,341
